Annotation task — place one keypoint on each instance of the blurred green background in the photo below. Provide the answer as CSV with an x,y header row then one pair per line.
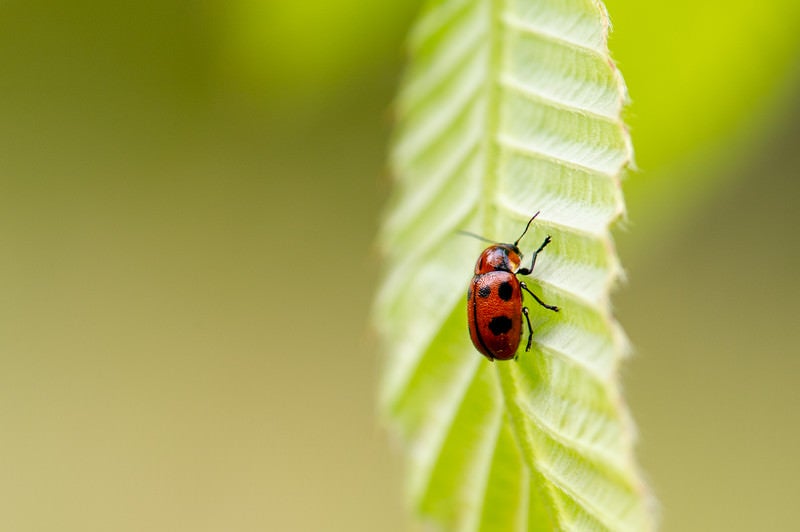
x,y
189,196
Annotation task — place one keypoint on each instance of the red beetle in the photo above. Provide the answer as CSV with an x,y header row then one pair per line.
x,y
494,300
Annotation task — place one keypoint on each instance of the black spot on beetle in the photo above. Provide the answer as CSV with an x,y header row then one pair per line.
x,y
505,291
469,294
500,325
485,290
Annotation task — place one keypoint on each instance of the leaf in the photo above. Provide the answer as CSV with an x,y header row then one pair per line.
x,y
509,107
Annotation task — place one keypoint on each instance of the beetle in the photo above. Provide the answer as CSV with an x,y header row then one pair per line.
x,y
494,299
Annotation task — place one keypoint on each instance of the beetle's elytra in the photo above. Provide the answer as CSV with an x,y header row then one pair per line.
x,y
494,300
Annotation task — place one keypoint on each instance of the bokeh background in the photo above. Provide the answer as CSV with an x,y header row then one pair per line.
x,y
189,196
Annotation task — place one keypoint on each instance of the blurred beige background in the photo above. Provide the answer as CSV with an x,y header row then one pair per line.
x,y
189,194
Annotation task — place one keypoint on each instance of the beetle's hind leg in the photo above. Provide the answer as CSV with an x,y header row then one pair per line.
x,y
530,330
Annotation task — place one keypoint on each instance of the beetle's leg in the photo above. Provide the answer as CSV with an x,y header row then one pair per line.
x,y
542,303
526,271
530,330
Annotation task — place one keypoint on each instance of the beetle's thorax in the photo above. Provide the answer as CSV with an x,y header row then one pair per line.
x,y
499,257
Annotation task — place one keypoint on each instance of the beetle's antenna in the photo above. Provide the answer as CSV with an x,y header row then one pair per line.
x,y
526,228
473,235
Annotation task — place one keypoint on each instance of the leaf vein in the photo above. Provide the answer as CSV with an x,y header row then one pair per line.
x,y
420,88
514,22
550,100
510,143
443,121
608,521
592,452
436,434
430,189
436,20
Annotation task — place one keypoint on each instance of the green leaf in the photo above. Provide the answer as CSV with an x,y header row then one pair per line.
x,y
508,108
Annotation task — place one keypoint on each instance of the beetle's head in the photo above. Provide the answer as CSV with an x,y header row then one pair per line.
x,y
499,257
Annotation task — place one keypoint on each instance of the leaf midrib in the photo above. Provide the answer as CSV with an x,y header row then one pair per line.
x,y
493,89
509,384
510,391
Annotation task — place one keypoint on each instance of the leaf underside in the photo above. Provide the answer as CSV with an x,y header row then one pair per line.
x,y
508,108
